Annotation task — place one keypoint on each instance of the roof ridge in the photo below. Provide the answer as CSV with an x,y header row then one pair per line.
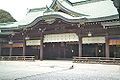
x,y
86,2
36,9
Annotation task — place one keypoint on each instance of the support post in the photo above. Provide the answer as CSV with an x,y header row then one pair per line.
x,y
24,47
10,54
106,47
41,48
11,48
80,46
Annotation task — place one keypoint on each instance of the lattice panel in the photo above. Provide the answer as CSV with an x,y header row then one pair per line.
x,y
33,42
66,37
89,40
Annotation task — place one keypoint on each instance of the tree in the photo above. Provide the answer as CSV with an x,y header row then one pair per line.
x,y
5,17
117,5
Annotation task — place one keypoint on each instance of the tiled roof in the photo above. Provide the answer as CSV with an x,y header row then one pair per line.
x,y
98,9
91,11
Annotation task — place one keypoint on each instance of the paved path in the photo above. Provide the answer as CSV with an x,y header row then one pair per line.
x,y
57,70
78,74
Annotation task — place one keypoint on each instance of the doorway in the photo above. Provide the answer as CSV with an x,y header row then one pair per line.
x,y
93,50
60,50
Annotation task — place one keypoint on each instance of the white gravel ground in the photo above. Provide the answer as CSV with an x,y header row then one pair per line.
x,y
57,70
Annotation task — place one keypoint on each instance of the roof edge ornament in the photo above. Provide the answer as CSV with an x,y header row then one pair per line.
x,y
83,20
48,19
48,9
53,3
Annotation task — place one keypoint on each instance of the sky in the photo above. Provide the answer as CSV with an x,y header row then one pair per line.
x,y
19,8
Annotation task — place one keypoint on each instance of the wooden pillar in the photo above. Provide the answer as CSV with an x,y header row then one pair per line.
x,y
80,46
11,48
41,48
24,47
106,47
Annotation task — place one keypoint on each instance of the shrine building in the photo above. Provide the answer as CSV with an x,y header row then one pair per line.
x,y
87,28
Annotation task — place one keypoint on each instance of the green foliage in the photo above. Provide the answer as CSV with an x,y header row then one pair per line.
x,y
5,17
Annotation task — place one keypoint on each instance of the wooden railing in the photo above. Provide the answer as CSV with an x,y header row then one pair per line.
x,y
15,58
96,60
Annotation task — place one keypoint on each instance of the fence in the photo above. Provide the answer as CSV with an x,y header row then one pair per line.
x,y
12,58
96,60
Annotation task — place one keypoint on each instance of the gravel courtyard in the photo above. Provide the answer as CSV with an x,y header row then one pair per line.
x,y
57,70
